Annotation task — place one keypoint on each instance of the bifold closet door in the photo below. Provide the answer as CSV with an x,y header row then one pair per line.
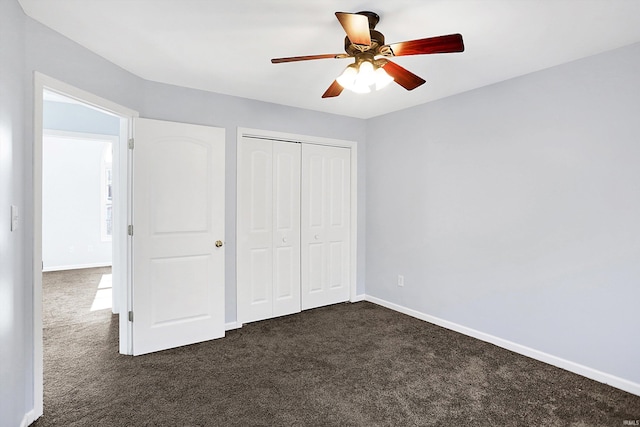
x,y
325,228
268,262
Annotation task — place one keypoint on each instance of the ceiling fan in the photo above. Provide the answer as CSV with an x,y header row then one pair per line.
x,y
371,67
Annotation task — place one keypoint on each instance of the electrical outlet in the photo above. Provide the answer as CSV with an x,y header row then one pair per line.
x,y
400,280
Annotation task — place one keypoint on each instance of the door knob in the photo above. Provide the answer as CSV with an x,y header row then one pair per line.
x,y
218,243
284,240
316,237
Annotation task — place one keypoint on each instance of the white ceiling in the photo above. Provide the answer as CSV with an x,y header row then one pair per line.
x,y
226,46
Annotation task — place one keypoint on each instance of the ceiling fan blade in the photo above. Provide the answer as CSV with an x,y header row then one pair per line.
x,y
441,44
356,26
402,76
334,90
308,57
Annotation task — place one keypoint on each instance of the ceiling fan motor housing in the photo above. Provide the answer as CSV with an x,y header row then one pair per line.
x,y
377,40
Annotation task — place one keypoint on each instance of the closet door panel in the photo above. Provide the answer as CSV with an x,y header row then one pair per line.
x,y
339,217
336,261
255,234
325,228
286,228
314,269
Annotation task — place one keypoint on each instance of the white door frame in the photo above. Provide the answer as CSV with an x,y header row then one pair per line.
x,y
306,139
121,215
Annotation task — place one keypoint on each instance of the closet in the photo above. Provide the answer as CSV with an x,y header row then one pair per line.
x,y
293,227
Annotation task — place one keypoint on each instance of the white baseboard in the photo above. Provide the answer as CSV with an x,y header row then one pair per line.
x,y
358,298
28,419
232,325
585,371
75,266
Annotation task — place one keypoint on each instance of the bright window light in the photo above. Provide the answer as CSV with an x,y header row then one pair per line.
x,y
102,300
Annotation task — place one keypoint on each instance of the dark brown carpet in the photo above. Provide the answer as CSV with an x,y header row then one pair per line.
x,y
343,365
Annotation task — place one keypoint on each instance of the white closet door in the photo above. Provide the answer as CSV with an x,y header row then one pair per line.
x,y
286,226
254,230
268,257
325,228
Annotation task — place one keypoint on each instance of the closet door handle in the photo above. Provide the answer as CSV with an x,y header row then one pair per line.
x,y
284,240
317,237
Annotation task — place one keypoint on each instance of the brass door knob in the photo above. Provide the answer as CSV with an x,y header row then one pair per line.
x,y
218,243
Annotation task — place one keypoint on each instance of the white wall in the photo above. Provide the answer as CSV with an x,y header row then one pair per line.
x,y
513,210
72,181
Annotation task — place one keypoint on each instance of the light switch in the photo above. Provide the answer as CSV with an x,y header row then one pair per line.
x,y
14,218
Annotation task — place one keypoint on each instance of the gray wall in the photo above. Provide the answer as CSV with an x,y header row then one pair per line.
x,y
15,293
513,210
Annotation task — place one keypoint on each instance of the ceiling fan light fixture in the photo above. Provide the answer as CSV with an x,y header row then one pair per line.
x,y
348,77
366,74
362,76
382,78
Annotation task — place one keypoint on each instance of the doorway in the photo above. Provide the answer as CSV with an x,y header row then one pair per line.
x,y
77,186
77,207
48,87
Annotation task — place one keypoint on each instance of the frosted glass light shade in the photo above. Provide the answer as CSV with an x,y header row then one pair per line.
x,y
382,78
348,77
360,78
366,74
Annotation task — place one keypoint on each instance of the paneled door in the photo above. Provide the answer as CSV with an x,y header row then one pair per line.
x,y
178,233
325,225
268,229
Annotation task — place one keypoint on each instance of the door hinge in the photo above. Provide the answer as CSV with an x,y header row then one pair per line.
x,y
131,143
130,230
131,316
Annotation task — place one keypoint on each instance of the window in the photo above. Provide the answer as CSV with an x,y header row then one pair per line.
x,y
106,193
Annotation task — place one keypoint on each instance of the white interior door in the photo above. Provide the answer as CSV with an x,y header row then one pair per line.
x,y
325,228
178,215
268,229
